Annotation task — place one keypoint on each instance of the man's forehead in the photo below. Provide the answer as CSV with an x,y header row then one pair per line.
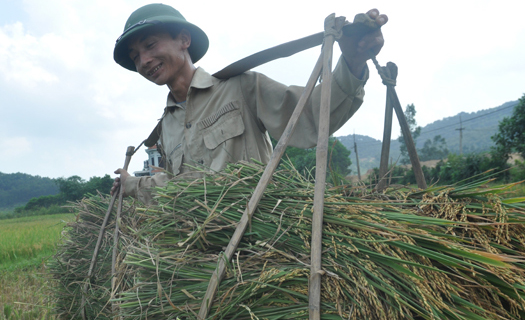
x,y
145,34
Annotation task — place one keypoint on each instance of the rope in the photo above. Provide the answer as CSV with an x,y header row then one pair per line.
x,y
333,26
387,81
136,149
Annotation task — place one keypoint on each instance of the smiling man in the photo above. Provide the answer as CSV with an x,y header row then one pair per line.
x,y
212,122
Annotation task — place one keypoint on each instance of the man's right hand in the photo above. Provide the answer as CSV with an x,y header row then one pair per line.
x,y
119,181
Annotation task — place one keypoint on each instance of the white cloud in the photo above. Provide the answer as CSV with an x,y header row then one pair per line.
x,y
20,57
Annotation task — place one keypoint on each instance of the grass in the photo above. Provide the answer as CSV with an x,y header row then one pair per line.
x,y
25,245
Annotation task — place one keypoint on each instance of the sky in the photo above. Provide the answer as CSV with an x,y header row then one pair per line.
x,y
66,108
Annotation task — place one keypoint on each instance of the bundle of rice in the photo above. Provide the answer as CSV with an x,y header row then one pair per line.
x,y
446,253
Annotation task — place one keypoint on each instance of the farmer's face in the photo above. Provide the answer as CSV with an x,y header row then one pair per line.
x,y
160,58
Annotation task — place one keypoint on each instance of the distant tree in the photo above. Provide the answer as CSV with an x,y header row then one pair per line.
x,y
304,159
511,133
71,188
434,149
98,184
415,130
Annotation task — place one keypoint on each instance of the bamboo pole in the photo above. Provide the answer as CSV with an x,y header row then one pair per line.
x,y
275,158
411,147
357,160
387,135
314,288
129,153
389,81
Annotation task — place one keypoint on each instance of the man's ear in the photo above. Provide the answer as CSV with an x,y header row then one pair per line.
x,y
185,36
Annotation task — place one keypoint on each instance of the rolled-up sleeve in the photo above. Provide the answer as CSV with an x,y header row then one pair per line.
x,y
141,188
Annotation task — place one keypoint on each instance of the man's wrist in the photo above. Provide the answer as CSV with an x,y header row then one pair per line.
x,y
356,68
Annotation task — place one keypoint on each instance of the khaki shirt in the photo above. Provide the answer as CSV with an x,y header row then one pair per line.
x,y
225,121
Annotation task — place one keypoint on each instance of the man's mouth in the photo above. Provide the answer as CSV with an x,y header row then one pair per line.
x,y
154,70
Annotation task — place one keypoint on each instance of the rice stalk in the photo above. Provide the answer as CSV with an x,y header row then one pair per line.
x,y
447,253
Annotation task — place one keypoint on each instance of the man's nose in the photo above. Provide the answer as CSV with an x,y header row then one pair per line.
x,y
145,59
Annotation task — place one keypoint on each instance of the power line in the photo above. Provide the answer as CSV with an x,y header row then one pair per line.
x,y
451,125
480,116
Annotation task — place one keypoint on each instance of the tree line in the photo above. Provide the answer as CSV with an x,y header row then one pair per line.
x,y
18,188
67,189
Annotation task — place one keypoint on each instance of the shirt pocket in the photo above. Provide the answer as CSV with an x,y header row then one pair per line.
x,y
224,125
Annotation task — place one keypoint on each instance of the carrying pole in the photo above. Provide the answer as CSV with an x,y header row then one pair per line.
x,y
129,152
332,27
387,134
389,75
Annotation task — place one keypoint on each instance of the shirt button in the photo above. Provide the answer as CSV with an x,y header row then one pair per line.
x,y
188,125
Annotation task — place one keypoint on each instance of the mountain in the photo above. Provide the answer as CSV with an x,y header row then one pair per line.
x,y
18,188
478,127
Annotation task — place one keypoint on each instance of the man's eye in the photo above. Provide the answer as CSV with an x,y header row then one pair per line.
x,y
150,45
134,58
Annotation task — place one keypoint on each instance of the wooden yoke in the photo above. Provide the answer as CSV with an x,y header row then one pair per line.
x,y
388,75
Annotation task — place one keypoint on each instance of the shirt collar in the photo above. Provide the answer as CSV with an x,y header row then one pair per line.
x,y
201,80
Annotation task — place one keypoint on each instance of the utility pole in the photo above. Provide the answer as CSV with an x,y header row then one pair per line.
x,y
357,160
460,136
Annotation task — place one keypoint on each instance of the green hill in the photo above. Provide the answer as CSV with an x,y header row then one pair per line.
x,y
17,188
478,127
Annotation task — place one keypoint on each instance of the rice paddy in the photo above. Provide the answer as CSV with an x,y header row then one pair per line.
x,y
26,244
30,237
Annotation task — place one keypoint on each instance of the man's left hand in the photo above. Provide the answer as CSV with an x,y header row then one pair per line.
x,y
359,48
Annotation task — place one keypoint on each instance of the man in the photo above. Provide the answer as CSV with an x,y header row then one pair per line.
x,y
211,122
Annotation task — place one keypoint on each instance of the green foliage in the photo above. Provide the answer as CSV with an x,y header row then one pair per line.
x,y
73,188
43,202
433,149
511,132
18,188
518,171
415,130
304,159
454,169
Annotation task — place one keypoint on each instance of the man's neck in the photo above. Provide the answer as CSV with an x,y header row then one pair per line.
x,y
179,90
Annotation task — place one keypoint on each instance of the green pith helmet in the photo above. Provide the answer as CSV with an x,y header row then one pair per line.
x,y
158,14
